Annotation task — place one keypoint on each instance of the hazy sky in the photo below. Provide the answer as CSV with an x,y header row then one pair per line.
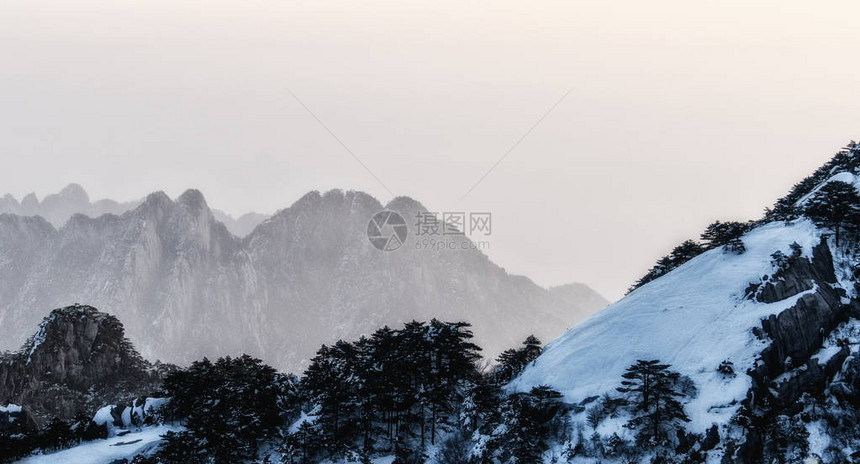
x,y
680,112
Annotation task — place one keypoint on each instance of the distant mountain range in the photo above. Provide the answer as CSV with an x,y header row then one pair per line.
x,y
186,285
57,208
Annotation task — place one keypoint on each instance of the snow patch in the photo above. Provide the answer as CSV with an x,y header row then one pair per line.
x,y
107,450
10,408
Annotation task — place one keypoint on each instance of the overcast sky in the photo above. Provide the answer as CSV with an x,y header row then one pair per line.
x,y
681,112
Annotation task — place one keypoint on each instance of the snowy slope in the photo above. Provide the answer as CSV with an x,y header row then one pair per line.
x,y
693,318
105,451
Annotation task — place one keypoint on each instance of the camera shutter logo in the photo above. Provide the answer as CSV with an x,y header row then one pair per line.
x,y
387,231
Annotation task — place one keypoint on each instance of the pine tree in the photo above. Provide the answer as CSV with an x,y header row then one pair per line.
x,y
331,381
453,360
527,418
511,362
719,233
836,206
228,406
652,394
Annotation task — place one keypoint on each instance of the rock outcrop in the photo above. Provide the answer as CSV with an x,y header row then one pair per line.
x,y
788,367
78,360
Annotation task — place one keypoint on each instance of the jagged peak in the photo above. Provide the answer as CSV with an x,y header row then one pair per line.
x,y
158,197
405,204
51,324
30,198
192,197
194,201
74,190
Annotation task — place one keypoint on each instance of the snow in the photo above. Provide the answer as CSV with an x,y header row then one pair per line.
x,y
693,318
126,417
826,353
103,415
105,451
819,439
305,417
154,403
844,176
38,339
379,460
10,408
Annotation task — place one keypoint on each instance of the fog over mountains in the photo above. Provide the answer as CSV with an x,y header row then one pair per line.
x,y
186,285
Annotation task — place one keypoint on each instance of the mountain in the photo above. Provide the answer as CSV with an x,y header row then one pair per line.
x,y
186,287
240,226
58,208
767,333
78,359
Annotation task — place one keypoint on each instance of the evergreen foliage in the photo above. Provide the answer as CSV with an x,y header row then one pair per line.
x,y
228,407
836,206
512,361
395,390
652,391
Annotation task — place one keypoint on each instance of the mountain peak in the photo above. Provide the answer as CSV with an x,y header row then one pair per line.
x,y
75,192
157,198
194,200
405,206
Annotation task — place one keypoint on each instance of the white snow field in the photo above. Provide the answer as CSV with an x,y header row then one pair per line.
x,y
693,318
107,450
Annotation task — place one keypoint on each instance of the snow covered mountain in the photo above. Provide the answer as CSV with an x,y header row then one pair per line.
x,y
185,287
767,333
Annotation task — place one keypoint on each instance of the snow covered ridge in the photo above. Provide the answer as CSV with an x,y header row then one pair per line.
x,y
693,318
768,336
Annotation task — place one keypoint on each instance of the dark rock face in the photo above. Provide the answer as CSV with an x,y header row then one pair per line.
x,y
796,334
77,361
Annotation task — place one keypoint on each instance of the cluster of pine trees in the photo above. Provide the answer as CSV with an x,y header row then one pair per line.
x,y
407,392
396,392
389,389
786,208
